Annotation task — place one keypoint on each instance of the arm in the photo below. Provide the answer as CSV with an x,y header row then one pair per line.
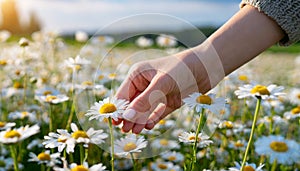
x,y
167,80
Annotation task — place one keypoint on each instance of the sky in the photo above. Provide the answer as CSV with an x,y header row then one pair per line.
x,y
71,15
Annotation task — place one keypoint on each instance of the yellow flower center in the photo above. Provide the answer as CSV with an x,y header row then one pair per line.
x,y
243,78
18,72
112,75
47,92
79,168
162,122
239,144
248,168
172,158
193,138
2,124
79,134
62,139
262,90
164,142
204,99
3,62
107,108
296,110
100,77
17,85
44,156
77,67
24,114
279,146
12,134
162,166
129,146
228,125
50,98
87,83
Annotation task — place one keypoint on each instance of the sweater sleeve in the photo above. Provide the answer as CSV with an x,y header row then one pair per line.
x,y
285,12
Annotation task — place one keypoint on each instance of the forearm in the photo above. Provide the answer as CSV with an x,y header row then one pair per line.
x,y
243,37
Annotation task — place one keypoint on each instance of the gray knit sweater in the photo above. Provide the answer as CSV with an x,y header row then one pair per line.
x,y
285,12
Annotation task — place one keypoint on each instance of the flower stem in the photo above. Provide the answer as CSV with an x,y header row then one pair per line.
x,y
14,156
111,143
71,114
86,154
81,154
252,132
50,118
133,162
194,158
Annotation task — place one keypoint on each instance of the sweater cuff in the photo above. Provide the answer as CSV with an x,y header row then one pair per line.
x,y
285,13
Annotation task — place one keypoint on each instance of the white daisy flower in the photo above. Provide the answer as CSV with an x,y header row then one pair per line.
x,y
173,156
165,144
248,166
35,143
129,144
4,35
278,148
83,167
238,145
81,36
23,42
123,164
144,42
45,158
76,63
109,107
62,139
270,92
164,166
294,96
103,40
16,135
209,102
6,125
22,115
166,41
190,137
46,91
91,136
294,113
165,124
52,99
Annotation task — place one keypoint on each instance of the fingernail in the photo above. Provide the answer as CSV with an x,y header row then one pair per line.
x,y
129,114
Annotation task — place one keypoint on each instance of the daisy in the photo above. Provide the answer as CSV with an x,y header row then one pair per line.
x,y
22,115
52,99
6,125
23,42
109,107
91,136
270,92
35,143
278,148
173,156
102,40
76,63
144,42
81,36
294,113
45,158
209,102
165,124
83,167
166,41
190,137
129,144
294,96
123,164
238,145
165,144
4,35
16,135
46,91
62,139
164,166
247,167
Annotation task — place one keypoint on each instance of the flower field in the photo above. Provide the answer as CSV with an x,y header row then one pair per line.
x,y
57,107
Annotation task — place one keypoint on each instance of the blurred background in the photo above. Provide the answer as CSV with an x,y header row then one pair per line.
x,y
24,17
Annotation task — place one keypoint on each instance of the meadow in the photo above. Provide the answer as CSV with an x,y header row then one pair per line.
x,y
57,104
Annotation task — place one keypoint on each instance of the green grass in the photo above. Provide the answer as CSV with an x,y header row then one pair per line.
x,y
295,48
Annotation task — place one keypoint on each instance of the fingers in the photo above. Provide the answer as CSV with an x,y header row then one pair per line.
x,y
160,113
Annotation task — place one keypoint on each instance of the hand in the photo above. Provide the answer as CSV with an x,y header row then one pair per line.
x,y
155,88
